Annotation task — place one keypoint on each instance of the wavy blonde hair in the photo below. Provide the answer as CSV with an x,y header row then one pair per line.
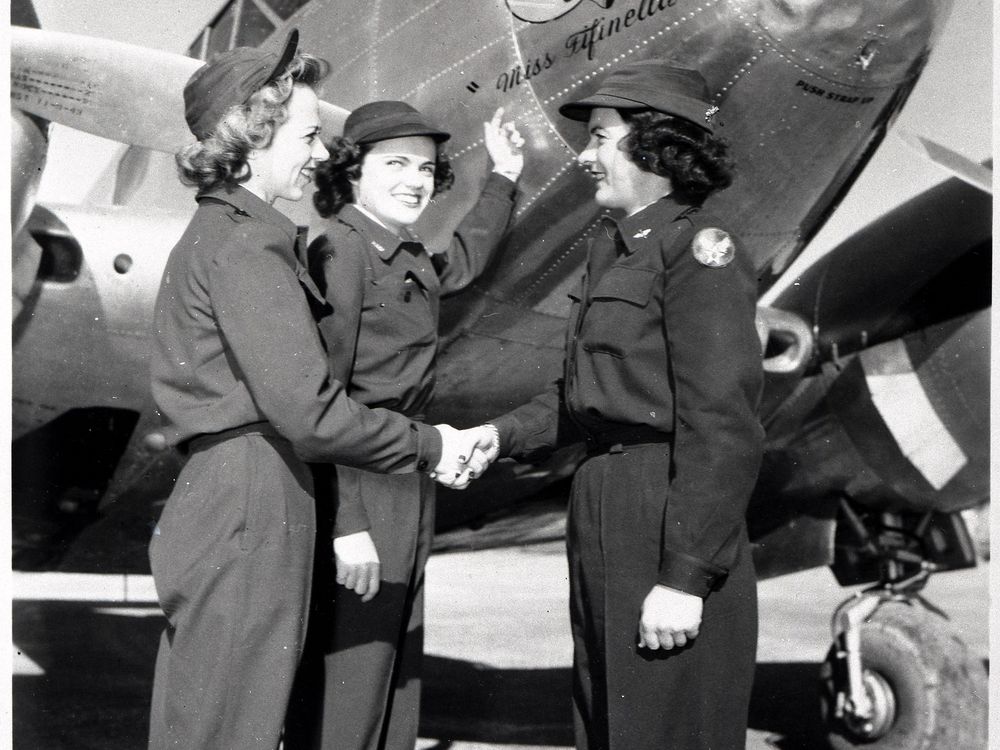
x,y
221,158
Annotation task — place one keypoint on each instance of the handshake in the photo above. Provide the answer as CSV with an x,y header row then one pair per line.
x,y
465,454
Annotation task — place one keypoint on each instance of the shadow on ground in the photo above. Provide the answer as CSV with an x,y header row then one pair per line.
x,y
98,673
467,702
464,701
98,670
785,703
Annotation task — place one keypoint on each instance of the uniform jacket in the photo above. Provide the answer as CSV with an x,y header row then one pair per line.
x,y
661,341
237,343
382,329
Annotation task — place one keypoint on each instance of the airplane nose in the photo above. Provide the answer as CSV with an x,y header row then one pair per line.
x,y
856,42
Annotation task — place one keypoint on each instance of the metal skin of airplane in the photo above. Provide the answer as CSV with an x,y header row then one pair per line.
x,y
877,360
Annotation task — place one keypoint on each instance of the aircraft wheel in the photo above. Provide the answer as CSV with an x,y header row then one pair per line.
x,y
928,692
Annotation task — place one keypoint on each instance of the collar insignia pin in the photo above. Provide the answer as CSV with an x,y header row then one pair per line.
x,y
642,234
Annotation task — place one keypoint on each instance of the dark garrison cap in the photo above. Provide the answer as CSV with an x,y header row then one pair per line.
x,y
379,121
650,84
229,79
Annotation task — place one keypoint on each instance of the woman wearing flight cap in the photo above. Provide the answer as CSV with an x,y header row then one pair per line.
x,y
366,638
242,382
662,381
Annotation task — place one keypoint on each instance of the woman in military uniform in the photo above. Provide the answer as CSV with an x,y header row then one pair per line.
x,y
384,288
662,380
242,382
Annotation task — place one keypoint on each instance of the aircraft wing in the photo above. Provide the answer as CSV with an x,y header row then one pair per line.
x,y
105,88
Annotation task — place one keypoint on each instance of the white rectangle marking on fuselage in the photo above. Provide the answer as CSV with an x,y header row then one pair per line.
x,y
909,414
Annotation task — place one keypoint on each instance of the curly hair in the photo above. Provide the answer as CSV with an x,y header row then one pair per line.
x,y
221,158
334,177
696,162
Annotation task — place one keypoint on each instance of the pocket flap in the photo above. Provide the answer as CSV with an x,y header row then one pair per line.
x,y
633,285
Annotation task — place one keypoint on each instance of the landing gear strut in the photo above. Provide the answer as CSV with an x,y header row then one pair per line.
x,y
898,677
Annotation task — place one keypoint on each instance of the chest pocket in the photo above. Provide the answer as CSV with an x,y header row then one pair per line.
x,y
400,312
619,315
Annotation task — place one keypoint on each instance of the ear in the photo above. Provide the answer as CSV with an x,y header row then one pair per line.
x,y
246,168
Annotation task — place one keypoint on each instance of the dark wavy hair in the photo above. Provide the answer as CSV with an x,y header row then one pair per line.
x,y
696,162
221,158
333,177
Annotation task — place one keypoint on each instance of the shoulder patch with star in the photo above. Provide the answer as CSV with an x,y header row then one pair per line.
x,y
713,247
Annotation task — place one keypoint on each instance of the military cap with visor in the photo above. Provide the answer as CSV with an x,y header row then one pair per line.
x,y
650,84
230,79
382,120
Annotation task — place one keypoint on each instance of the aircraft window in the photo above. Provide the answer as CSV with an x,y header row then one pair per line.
x,y
199,45
220,36
123,263
254,26
61,259
285,8
253,21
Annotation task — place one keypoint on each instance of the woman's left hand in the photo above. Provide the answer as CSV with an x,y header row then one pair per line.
x,y
358,566
504,144
669,618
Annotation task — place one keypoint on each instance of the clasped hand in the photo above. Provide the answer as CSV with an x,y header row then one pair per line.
x,y
465,455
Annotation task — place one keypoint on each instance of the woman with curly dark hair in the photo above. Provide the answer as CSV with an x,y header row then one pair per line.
x,y
336,177
694,161
384,288
662,382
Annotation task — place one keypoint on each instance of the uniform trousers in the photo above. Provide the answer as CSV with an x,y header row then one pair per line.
x,y
627,698
231,557
359,684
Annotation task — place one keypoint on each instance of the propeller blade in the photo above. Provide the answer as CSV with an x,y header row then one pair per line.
x,y
963,168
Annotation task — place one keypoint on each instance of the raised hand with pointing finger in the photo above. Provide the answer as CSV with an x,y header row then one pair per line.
x,y
504,144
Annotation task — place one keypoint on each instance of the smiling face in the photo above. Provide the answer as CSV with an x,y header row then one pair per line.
x,y
397,180
620,183
284,168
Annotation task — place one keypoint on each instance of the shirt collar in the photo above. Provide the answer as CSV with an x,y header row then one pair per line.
x,y
249,204
636,230
385,242
361,209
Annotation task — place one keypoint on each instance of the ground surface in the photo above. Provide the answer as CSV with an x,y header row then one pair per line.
x,y
497,665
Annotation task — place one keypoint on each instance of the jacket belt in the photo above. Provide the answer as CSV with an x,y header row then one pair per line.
x,y
604,438
207,440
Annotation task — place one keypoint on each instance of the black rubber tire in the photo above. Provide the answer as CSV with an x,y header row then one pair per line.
x,y
940,689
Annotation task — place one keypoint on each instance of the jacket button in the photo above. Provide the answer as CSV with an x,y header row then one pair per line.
x,y
422,465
